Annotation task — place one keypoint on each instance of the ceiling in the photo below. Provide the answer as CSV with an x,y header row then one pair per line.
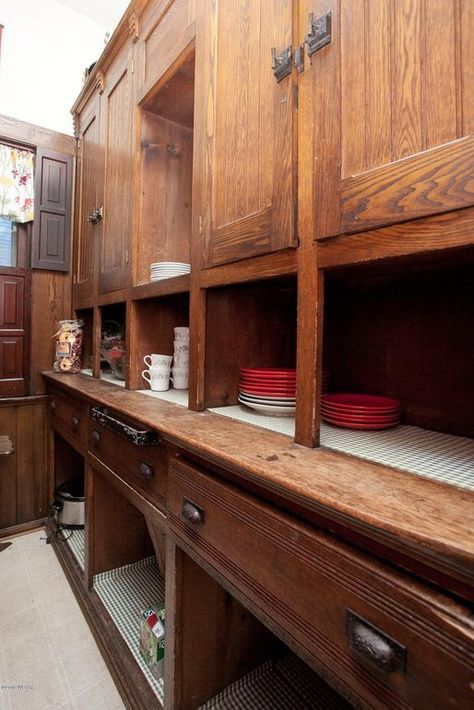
x,y
104,12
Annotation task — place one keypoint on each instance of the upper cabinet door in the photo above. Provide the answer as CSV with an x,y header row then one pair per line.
x,y
116,130
89,170
244,157
391,103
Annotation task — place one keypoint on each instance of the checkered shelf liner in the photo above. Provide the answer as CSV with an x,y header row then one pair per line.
x,y
171,395
278,685
440,457
76,542
126,592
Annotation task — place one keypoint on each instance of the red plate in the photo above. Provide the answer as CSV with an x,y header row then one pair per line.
x,y
358,412
267,391
362,419
268,370
360,401
269,383
366,427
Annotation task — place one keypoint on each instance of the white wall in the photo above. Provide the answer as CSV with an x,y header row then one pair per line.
x,y
45,47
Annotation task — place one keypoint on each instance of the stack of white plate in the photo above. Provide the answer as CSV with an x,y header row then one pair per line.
x,y
168,269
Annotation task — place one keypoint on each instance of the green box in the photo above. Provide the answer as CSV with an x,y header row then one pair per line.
x,y
152,639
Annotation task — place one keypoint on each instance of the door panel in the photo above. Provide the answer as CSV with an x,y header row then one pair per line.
x,y
401,144
117,112
246,162
88,175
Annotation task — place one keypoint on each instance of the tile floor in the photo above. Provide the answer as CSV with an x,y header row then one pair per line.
x,y
48,657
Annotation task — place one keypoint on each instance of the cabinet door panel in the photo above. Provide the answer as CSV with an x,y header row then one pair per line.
x,y
117,111
88,175
399,143
246,160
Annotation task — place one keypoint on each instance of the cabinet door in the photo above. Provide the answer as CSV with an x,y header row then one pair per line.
x,y
244,127
89,171
392,112
116,128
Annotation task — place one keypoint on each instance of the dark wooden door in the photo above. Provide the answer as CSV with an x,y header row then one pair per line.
x,y
387,113
89,173
12,335
117,121
245,154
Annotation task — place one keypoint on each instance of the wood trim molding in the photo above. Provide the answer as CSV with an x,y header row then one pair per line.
x,y
31,135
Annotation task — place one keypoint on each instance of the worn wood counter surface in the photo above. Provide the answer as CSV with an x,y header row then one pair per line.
x,y
429,521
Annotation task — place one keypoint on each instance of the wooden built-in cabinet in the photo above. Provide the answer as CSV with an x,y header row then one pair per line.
x,y
313,162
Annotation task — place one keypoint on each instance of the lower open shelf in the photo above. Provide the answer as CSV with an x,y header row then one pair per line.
x,y
278,685
76,541
431,454
126,592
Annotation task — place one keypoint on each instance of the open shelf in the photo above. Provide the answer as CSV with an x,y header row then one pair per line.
x,y
87,354
278,685
108,376
76,541
282,425
166,120
174,396
113,320
126,592
247,325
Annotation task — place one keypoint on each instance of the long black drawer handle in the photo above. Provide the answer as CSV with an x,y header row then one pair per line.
x,y
373,645
139,437
192,513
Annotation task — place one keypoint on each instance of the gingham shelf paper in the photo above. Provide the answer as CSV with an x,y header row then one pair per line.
x,y
171,395
126,592
440,457
109,377
76,542
283,425
279,685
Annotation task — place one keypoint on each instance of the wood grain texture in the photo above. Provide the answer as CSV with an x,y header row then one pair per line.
x,y
433,525
446,231
281,263
33,135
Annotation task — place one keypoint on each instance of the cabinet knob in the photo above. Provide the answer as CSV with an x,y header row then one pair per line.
x,y
75,422
145,471
192,513
373,645
95,436
52,405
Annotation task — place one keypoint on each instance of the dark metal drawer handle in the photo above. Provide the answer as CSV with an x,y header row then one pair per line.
x,y
145,471
192,513
95,436
75,422
373,645
139,437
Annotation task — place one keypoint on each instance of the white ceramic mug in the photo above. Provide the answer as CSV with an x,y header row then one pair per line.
x,y
159,381
181,361
181,333
181,346
154,360
180,379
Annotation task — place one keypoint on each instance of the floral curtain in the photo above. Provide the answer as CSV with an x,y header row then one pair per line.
x,y
16,184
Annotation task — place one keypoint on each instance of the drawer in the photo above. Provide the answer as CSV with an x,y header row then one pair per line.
x,y
69,416
141,465
390,640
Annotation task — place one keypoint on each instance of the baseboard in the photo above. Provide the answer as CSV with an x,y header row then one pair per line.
x,y
14,530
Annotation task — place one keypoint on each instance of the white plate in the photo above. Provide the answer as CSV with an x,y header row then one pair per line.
x,y
266,409
171,268
289,402
159,264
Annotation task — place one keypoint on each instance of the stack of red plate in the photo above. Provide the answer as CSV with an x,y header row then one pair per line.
x,y
269,390
360,411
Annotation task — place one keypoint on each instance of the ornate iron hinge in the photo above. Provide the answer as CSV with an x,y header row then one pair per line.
x,y
319,32
282,63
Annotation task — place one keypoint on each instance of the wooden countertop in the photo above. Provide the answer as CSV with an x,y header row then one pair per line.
x,y
429,521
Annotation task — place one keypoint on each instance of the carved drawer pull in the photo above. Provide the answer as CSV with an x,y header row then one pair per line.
x,y
373,645
145,471
75,422
95,436
192,513
52,405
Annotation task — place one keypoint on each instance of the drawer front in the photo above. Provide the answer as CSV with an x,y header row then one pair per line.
x,y
142,467
389,640
69,416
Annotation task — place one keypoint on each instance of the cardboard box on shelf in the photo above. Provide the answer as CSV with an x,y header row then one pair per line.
x,y
152,639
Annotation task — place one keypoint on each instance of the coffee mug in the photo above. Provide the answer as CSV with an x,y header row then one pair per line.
x,y
155,359
181,333
181,361
181,346
158,381
180,379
